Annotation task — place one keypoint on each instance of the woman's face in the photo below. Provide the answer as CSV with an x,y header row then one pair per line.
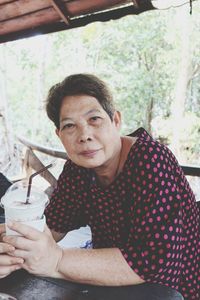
x,y
89,136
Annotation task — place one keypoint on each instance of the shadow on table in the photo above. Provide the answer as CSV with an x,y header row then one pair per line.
x,y
23,286
145,291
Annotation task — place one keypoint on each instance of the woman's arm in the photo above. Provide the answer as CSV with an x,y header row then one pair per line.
x,y
97,267
42,256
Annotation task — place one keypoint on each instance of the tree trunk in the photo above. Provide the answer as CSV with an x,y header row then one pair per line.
x,y
149,115
40,84
180,92
7,151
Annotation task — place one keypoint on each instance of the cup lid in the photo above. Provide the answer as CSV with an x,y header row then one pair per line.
x,y
17,193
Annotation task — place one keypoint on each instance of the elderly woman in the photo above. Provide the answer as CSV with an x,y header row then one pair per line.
x,y
129,189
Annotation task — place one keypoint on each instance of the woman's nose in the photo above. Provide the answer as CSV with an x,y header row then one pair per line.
x,y
85,134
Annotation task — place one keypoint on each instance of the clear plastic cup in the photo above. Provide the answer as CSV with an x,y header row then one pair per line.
x,y
14,204
6,297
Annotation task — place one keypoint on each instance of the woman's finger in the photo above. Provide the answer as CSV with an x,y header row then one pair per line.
x,y
2,228
25,230
4,247
19,242
20,253
7,260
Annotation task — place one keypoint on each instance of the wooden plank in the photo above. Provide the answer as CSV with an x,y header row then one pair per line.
x,y
191,170
188,170
78,7
47,150
23,14
6,1
76,22
33,162
29,21
21,8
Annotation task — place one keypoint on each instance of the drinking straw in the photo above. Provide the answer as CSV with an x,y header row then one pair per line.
x,y
31,178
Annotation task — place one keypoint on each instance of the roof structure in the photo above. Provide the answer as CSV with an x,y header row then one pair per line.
x,y
25,18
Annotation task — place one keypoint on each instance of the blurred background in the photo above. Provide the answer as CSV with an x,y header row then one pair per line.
x,y
150,61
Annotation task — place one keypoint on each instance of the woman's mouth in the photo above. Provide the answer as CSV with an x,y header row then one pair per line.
x,y
89,153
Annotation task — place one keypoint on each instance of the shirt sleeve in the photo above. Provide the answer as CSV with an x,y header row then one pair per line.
x,y
160,193
64,213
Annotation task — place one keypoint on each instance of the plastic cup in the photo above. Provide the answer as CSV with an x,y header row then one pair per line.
x,y
16,209
6,297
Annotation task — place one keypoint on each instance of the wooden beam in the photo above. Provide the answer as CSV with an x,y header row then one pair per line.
x,y
80,7
21,15
61,10
32,162
188,170
76,22
20,8
191,170
46,150
5,2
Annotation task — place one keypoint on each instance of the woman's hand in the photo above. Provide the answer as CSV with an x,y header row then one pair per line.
x,y
8,263
40,252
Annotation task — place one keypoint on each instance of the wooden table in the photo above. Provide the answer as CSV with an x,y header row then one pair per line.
x,y
25,286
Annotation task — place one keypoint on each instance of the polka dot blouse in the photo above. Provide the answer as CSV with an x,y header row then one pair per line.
x,y
148,212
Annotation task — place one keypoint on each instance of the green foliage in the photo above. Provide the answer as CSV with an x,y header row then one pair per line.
x,y
138,56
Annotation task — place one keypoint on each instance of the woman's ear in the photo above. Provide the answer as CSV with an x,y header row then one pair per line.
x,y
117,119
57,132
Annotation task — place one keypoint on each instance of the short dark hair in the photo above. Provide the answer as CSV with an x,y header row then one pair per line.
x,y
78,84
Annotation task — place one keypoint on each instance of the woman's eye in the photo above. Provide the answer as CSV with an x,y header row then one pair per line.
x,y
95,118
68,126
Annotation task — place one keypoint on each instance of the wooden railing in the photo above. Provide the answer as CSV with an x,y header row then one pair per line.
x,y
32,161
46,150
191,170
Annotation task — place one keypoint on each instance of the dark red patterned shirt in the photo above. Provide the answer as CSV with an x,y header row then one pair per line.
x,y
149,212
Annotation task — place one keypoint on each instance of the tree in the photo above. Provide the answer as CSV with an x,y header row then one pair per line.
x,y
139,56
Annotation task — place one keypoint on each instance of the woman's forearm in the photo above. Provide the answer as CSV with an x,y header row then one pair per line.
x,y
42,256
96,267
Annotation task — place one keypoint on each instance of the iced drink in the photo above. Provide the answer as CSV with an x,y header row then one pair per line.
x,y
6,297
16,208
